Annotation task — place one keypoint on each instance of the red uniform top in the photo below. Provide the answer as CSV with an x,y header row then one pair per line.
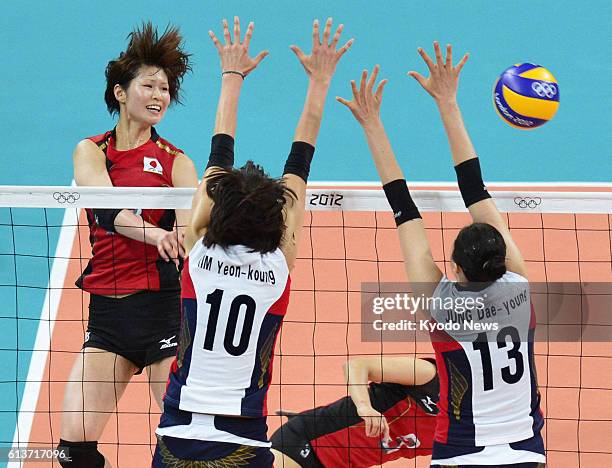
x,y
337,435
410,428
120,265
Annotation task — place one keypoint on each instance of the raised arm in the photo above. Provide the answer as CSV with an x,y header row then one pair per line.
x,y
235,67
320,66
403,370
442,86
422,271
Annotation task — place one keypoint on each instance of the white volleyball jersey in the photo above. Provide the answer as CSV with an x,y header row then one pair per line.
x,y
233,303
484,352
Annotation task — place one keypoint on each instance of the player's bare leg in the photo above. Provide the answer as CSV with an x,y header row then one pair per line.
x,y
96,383
158,377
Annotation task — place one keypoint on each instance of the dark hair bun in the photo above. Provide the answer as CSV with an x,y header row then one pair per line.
x,y
480,251
495,267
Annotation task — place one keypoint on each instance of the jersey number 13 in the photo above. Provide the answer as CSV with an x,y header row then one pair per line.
x,y
482,345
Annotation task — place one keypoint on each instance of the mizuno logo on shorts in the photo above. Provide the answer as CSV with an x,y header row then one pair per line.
x,y
167,342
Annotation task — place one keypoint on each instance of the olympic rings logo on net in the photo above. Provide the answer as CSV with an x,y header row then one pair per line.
x,y
528,202
66,197
544,89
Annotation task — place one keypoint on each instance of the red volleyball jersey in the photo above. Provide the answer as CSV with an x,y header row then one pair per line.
x,y
337,435
411,431
120,265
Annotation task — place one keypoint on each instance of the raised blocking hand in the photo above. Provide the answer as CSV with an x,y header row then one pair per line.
x,y
235,54
443,76
322,61
365,105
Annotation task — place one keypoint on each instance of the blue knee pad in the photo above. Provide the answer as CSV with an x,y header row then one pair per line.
x,y
79,455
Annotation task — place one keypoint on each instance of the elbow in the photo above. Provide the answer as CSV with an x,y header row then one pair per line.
x,y
346,369
352,367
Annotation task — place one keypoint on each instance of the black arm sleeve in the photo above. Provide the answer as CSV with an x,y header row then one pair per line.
x,y
428,394
221,151
469,178
299,159
342,413
401,202
105,218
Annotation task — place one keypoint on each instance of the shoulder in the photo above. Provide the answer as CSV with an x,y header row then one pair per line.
x,y
88,148
444,287
182,162
510,284
512,277
95,144
99,139
166,146
184,172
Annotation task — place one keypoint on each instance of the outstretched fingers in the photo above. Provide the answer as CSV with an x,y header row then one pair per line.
x,y
438,53
420,78
355,90
365,105
215,40
426,58
336,38
260,56
327,31
372,79
449,56
345,47
355,101
315,35
379,90
341,100
226,33
248,35
462,62
236,30
362,85
298,52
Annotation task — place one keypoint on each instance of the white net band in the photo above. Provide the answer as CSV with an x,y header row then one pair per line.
x,y
318,199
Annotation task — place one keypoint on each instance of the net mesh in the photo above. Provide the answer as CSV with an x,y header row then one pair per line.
x,y
349,238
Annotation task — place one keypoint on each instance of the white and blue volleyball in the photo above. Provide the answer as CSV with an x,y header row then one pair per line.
x,y
526,96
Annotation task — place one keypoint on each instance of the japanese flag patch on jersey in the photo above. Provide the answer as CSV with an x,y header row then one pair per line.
x,y
152,165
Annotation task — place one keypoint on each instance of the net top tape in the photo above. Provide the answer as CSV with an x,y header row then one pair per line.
x,y
318,199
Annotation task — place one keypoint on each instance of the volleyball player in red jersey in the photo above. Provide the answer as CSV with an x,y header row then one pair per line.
x,y
133,275
241,244
380,422
489,406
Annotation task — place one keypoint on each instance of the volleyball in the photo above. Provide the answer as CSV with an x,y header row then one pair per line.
x,y
526,96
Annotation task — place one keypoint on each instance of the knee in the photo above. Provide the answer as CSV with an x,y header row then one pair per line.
x,y
79,455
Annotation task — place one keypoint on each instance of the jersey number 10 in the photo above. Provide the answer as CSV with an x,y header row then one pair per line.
x,y
214,299
482,345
